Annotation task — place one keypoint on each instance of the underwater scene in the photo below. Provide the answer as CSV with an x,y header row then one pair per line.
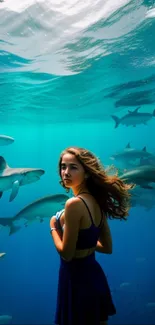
x,y
75,73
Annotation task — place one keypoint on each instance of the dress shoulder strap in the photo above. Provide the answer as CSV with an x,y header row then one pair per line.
x,y
87,209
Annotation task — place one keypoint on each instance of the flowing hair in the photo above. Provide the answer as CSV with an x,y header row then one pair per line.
x,y
111,192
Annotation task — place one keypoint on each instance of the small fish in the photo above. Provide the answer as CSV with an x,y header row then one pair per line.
x,y
150,304
2,254
124,284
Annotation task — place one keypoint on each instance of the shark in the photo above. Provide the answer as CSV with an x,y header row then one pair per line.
x,y
2,255
143,197
5,140
131,154
142,176
147,161
13,178
39,209
133,118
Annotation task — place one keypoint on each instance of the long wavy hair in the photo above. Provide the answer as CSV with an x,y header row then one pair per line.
x,y
111,192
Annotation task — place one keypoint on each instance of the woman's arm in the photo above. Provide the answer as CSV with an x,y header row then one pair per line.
x,y
104,244
67,245
102,249
56,232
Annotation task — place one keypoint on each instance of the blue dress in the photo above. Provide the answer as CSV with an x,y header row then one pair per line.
x,y
83,295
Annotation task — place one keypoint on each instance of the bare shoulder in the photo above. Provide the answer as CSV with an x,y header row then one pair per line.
x,y
73,202
73,205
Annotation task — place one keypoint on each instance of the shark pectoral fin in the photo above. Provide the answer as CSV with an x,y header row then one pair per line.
x,y
1,193
117,120
13,229
15,189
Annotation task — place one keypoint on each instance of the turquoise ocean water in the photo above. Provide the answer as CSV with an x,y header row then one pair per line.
x,y
65,68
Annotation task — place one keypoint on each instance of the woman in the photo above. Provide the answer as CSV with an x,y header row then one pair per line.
x,y
84,296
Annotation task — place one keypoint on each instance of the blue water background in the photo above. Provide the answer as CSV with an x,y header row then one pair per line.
x,y
47,105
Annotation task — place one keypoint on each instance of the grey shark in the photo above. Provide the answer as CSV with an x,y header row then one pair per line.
x,y
141,175
133,118
143,197
5,140
40,209
131,154
147,161
2,255
13,178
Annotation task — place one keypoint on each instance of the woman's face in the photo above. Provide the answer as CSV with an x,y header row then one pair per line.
x,y
72,172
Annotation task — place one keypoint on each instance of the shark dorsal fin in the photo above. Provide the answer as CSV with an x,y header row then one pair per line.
x,y
144,149
128,145
3,163
135,111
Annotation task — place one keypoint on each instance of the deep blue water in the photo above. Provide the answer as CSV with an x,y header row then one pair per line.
x,y
65,68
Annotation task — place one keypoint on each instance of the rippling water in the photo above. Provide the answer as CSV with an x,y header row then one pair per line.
x,y
65,68
75,60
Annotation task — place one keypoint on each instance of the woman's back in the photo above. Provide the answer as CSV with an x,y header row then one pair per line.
x,y
90,225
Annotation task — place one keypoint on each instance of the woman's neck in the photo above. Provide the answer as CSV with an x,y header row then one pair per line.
x,y
79,191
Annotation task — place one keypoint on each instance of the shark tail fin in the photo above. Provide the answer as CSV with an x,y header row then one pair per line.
x,y
153,113
8,222
116,119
